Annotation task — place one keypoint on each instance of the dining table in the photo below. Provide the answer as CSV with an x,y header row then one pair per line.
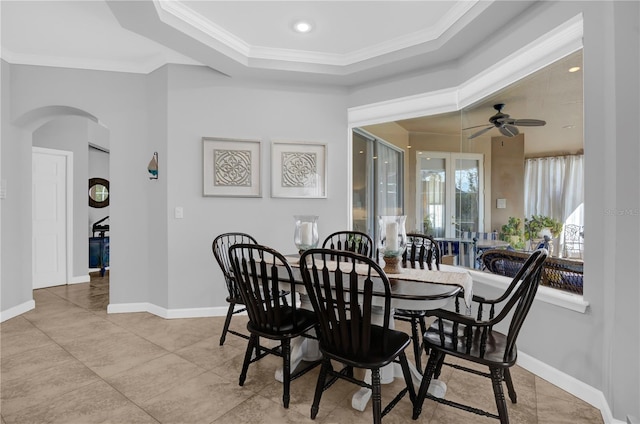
x,y
414,288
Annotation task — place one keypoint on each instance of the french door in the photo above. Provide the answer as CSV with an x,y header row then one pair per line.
x,y
378,169
449,193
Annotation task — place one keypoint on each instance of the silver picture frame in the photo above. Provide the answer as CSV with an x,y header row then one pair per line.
x,y
231,167
298,170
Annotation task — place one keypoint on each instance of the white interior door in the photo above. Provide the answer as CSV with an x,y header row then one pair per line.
x,y
50,217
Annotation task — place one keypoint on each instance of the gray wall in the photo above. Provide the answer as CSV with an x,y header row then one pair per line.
x,y
15,268
39,94
156,258
157,190
203,103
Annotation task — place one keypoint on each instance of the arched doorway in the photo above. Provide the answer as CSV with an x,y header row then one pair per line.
x,y
75,132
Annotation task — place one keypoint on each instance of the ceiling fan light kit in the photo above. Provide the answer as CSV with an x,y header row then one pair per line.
x,y
506,125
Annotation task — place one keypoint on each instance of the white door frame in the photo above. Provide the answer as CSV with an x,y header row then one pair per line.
x,y
68,208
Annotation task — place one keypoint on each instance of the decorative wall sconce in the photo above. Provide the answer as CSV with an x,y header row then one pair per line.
x,y
153,167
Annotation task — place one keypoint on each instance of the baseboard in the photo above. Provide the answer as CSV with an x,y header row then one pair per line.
x,y
569,384
17,310
120,308
125,308
80,279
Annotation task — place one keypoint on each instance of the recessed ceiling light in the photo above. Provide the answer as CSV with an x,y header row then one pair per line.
x,y
574,69
568,127
302,26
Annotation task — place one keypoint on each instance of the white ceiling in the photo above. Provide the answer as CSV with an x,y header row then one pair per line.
x,y
352,43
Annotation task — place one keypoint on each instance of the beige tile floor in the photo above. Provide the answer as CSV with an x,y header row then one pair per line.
x,y
67,361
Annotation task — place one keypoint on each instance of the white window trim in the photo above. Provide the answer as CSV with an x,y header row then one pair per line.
x,y
574,302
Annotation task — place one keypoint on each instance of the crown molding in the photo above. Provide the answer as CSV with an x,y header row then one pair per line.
x,y
554,45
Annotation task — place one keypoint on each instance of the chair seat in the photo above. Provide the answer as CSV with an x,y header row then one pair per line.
x,y
288,327
493,353
378,355
410,313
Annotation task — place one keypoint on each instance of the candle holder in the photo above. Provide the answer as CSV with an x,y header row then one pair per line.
x,y
392,241
305,235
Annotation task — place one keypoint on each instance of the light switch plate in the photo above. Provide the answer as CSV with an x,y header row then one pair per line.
x,y
179,212
501,203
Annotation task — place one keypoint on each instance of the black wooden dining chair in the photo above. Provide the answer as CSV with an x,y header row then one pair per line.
x,y
347,305
260,273
422,251
220,247
475,340
352,241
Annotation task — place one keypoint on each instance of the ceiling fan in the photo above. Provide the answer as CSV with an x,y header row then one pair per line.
x,y
508,126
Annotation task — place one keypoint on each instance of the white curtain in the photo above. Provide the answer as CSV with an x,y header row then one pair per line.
x,y
554,186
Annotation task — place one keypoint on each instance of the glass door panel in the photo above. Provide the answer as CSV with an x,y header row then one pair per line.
x,y
432,195
362,190
377,176
389,179
468,196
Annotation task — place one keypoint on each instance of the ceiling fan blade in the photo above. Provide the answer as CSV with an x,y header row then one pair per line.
x,y
529,122
509,130
479,133
475,126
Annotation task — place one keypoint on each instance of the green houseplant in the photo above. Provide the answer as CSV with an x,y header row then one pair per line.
x,y
537,223
512,232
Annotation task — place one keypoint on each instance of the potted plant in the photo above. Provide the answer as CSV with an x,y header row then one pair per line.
x,y
512,232
538,224
427,226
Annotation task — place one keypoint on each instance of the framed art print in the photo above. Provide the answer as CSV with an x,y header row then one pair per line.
x,y
298,170
231,167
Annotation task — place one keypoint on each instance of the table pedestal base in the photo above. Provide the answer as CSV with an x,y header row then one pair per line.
x,y
360,398
302,349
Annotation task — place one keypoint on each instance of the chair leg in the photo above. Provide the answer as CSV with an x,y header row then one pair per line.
x,y
501,404
227,321
416,343
253,340
438,370
433,361
407,377
324,371
286,371
423,329
512,391
376,396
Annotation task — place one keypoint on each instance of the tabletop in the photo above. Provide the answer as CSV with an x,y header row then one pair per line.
x,y
417,288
